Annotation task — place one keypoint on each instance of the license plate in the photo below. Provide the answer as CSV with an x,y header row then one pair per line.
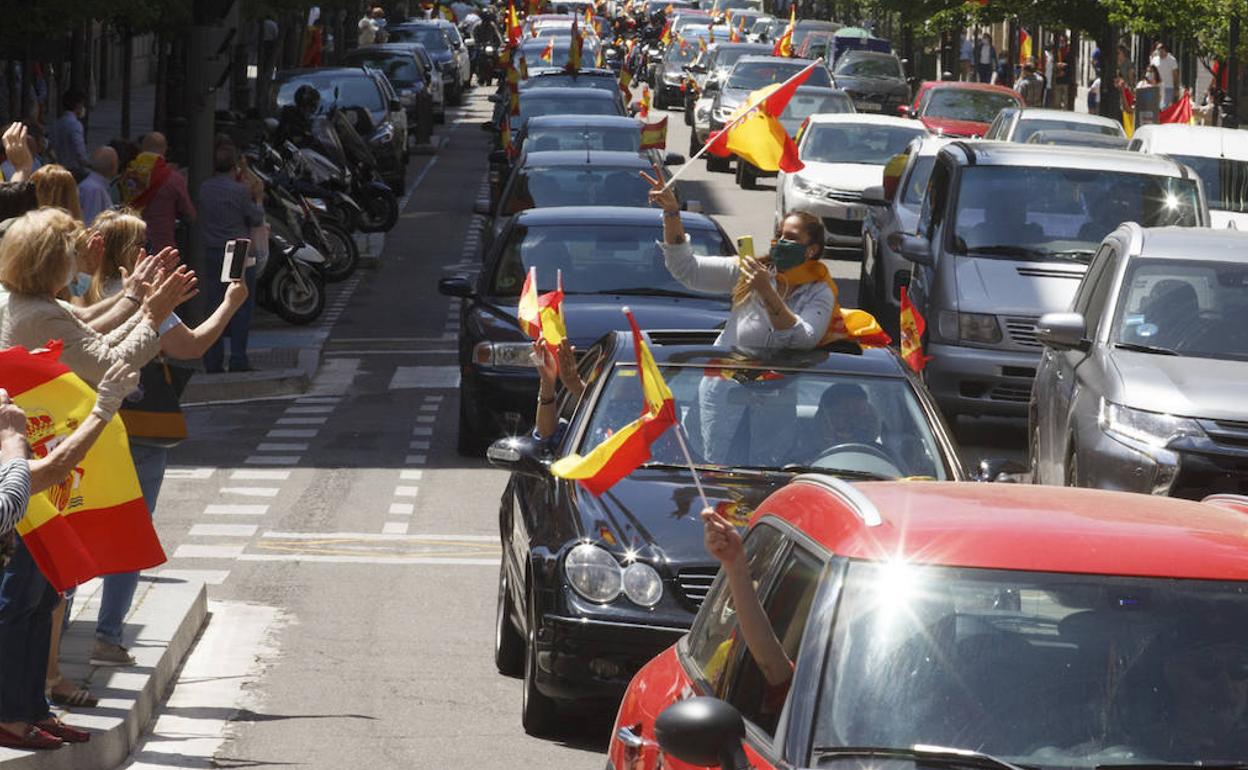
x,y
870,106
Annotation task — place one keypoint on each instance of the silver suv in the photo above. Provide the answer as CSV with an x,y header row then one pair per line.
x,y
1141,385
1005,233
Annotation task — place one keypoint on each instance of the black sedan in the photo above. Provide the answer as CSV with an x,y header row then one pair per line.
x,y
609,258
590,588
407,75
439,47
875,81
561,101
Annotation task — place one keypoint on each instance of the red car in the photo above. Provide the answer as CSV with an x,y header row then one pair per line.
x,y
953,108
962,626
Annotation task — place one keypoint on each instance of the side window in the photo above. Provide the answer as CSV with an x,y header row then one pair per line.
x,y
1100,295
932,211
711,639
1097,266
1135,145
787,606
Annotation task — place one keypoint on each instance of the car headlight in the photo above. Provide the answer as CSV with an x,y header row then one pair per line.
x,y
642,585
593,573
979,327
811,188
721,114
503,354
1137,427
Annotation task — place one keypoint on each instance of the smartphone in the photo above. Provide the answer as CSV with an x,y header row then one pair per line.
x,y
235,259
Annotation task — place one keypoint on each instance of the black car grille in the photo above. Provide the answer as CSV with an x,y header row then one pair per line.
x,y
1014,394
1023,331
695,583
849,229
1227,433
1202,474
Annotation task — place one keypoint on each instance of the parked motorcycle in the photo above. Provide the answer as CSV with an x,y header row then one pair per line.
x,y
290,282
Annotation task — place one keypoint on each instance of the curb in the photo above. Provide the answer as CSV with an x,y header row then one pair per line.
x,y
169,616
246,386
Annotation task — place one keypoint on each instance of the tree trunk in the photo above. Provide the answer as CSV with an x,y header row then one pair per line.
x,y
127,72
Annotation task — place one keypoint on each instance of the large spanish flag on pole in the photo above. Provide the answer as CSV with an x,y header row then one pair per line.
x,y
754,131
94,522
628,447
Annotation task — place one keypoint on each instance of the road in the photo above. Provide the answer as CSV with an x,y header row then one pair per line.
x,y
351,553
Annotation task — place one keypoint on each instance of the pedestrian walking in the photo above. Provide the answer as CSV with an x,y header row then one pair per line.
x,y
95,193
69,144
154,188
371,26
1124,72
230,207
1062,93
1167,72
985,59
966,55
1030,86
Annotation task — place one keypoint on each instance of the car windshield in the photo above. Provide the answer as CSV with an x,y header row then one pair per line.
x,y
726,57
563,80
1040,669
594,258
917,184
431,38
740,414
869,67
1196,309
401,70
1025,128
531,51
967,104
683,52
1034,212
752,75
1225,180
866,143
534,103
543,187
803,105
354,90
620,138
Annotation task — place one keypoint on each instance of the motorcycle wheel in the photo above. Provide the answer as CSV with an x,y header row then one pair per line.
x,y
342,254
298,302
381,211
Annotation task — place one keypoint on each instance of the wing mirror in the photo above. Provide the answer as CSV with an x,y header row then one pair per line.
x,y
874,196
518,454
456,286
1063,331
1001,471
704,732
913,248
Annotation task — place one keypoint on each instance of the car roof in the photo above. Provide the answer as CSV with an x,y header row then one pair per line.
x,y
992,153
1202,141
773,59
1199,244
1042,113
855,53
576,121
676,347
931,144
932,85
818,24
728,46
1079,138
861,117
608,215
1019,527
585,158
569,91
399,48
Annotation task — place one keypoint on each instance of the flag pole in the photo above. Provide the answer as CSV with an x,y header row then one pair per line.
x,y
735,121
697,480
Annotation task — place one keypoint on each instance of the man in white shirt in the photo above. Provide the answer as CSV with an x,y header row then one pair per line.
x,y
1168,67
370,26
95,192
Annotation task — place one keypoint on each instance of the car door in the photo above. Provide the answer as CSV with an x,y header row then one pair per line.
x,y
922,288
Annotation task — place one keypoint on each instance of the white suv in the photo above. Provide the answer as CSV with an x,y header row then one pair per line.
x,y
1219,156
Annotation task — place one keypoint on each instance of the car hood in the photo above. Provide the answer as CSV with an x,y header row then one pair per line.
x,y
843,176
871,85
1179,385
953,126
1009,287
731,98
654,511
589,316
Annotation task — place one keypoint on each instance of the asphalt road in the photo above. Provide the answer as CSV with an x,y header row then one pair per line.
x,y
352,554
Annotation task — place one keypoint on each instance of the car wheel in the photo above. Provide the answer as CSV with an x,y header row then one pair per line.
x,y
746,179
508,642
1072,466
716,164
694,145
469,442
538,713
660,101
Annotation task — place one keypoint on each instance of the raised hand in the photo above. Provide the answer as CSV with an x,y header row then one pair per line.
x,y
547,367
12,418
664,198
18,152
566,355
722,540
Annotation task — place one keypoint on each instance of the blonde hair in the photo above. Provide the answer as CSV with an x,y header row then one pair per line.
x,y
124,234
37,252
55,186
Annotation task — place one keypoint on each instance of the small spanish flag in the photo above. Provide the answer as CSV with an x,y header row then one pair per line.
x,y
654,135
95,521
1024,46
734,34
628,447
529,313
548,53
784,46
513,89
626,78
912,328
507,145
573,64
759,137
643,108
514,30
665,37
541,317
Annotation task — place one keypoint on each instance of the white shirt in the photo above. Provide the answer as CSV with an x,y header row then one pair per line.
x,y
985,53
749,325
368,30
1166,66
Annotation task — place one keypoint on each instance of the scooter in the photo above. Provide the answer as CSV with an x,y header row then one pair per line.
x,y
343,145
290,282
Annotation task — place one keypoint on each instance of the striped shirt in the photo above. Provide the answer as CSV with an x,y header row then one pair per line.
x,y
14,493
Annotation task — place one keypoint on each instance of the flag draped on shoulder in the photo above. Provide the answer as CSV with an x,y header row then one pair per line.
x,y
95,521
754,131
142,178
912,327
628,447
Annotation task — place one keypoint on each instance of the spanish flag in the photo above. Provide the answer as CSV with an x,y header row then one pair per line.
x,y
142,178
626,78
1024,46
1179,112
94,522
754,132
784,46
628,447
541,317
514,30
1128,111
506,145
912,328
573,64
734,34
665,37
548,53
643,108
654,135
513,88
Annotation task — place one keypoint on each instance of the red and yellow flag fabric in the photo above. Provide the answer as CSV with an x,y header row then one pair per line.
x,y
506,145
626,79
628,447
654,135
643,109
847,323
665,37
1024,46
94,522
514,31
1179,112
513,87
141,179
573,64
784,46
1128,110
734,33
754,131
912,327
541,317
548,53
529,313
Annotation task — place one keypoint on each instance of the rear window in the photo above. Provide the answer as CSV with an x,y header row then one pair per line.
x,y
534,104
401,70
623,139
1225,180
865,143
542,187
431,38
342,90
1026,128
870,67
967,104
752,75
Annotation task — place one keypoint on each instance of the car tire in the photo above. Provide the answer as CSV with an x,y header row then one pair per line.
x,y
717,165
538,713
694,145
468,442
746,179
1033,446
660,101
508,642
1072,466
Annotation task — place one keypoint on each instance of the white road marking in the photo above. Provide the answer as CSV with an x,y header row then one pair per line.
x,y
429,407
421,176
272,460
402,509
281,447
189,473
414,460
426,419
424,377
318,409
396,560
223,530
196,551
394,528
301,420
252,474
236,509
419,445
410,474
292,433
251,491
213,577
422,431
403,491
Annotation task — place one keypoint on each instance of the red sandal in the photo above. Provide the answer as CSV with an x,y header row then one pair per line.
x,y
34,738
55,727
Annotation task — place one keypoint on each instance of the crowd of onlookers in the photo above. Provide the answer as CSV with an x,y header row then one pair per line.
x,y
80,266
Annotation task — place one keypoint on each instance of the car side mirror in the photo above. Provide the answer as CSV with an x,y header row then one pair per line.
x,y
673,159
1001,471
456,286
704,732
395,105
1063,331
874,196
916,249
518,454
